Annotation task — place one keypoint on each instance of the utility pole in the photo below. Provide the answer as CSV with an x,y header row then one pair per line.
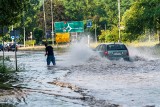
x,y
52,33
12,30
24,38
3,44
15,36
119,20
95,33
44,17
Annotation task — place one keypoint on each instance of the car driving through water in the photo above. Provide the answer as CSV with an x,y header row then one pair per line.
x,y
113,51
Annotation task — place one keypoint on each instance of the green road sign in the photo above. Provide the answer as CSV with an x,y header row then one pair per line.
x,y
70,26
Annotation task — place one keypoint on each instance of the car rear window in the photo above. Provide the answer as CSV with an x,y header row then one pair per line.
x,y
116,47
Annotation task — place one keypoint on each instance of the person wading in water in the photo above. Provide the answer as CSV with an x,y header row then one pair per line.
x,y
50,54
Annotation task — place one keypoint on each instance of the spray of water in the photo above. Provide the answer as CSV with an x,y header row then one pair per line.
x,y
142,53
80,52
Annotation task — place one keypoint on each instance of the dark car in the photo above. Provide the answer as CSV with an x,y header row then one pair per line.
x,y
12,47
1,47
113,51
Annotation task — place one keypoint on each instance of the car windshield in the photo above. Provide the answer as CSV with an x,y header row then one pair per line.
x,y
116,47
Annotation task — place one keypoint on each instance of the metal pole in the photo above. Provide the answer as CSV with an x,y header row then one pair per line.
x,y
24,39
12,30
88,40
15,50
119,16
44,15
76,37
3,46
52,23
95,33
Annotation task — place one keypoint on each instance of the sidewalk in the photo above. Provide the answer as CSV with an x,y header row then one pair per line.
x,y
40,48
31,48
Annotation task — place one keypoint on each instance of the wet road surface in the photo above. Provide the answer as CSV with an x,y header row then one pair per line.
x,y
130,84
33,79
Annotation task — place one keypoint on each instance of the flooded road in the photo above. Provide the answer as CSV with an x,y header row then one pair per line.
x,y
118,83
33,79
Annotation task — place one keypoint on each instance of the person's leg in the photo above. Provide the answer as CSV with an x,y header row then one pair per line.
x,y
48,60
53,60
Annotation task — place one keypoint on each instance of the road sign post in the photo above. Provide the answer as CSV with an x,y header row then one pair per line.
x,y
15,35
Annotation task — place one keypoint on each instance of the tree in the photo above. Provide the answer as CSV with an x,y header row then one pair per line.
x,y
10,11
38,34
83,10
109,35
58,13
142,15
132,20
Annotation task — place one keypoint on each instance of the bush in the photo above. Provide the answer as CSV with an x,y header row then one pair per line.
x,y
5,76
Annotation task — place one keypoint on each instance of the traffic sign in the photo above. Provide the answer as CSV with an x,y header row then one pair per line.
x,y
48,34
12,37
14,34
70,26
62,37
89,23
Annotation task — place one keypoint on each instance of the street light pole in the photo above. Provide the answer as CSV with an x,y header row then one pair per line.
x,y
24,31
52,23
119,16
96,33
44,15
15,34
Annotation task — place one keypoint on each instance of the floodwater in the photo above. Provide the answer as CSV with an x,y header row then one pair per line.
x,y
33,81
130,84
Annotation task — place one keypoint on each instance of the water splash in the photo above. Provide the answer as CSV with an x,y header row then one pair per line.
x,y
79,52
142,53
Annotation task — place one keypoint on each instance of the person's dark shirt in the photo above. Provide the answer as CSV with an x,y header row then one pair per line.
x,y
49,50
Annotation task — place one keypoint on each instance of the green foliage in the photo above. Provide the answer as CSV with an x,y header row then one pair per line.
x,y
132,19
58,14
5,86
4,68
7,105
10,11
151,14
141,16
38,34
5,74
109,35
137,16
